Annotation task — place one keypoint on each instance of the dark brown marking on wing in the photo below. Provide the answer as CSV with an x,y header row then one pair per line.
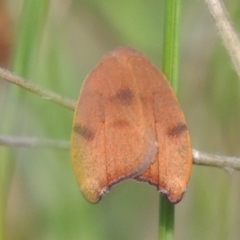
x,y
84,132
125,96
177,130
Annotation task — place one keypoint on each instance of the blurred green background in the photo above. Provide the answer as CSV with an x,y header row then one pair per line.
x,y
56,49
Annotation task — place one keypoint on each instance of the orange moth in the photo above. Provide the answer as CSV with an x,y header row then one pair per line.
x,y
128,124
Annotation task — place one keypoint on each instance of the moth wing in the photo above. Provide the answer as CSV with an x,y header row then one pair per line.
x,y
171,169
111,140
88,145
175,154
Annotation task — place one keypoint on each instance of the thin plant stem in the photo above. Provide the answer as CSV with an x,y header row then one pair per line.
x,y
30,86
170,69
199,158
166,219
33,142
214,160
226,30
171,41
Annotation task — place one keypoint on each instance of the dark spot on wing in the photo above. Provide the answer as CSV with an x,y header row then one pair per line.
x,y
125,96
120,123
177,130
84,132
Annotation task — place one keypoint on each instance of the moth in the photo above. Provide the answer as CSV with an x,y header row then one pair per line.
x,y
128,125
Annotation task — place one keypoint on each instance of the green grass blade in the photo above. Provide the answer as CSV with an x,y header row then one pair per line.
x,y
170,69
29,36
33,19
